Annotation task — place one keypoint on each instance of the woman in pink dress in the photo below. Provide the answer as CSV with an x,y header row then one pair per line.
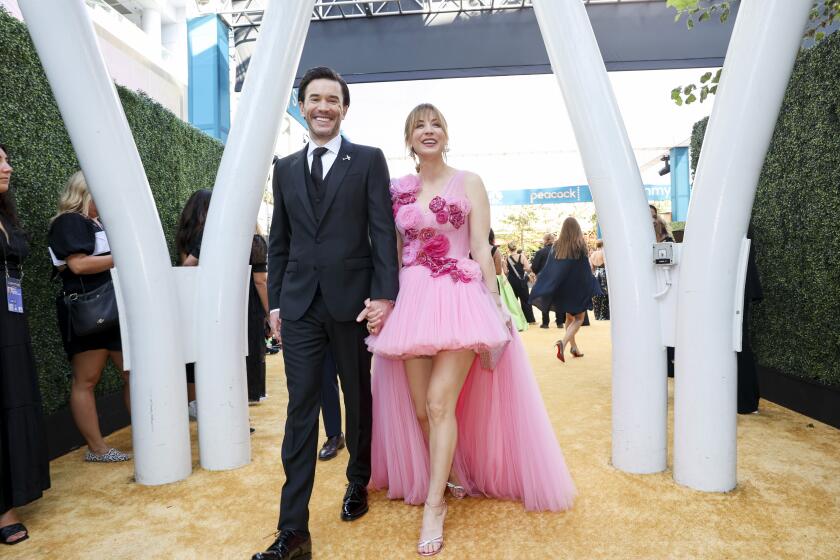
x,y
440,419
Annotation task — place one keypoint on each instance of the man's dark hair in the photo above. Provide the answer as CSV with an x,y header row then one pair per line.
x,y
323,73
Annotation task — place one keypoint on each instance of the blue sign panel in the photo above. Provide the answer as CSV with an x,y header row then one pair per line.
x,y
561,195
294,109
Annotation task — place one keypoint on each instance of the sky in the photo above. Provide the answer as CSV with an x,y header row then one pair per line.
x,y
515,132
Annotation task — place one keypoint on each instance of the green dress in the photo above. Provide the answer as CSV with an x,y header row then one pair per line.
x,y
512,303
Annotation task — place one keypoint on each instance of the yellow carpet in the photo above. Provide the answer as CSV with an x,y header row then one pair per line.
x,y
787,504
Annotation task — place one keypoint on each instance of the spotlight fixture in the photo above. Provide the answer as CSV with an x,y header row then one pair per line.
x,y
667,168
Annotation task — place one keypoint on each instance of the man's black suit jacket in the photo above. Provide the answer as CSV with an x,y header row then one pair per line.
x,y
350,252
540,258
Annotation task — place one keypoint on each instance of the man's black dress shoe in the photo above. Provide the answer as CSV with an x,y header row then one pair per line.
x,y
355,502
331,447
543,326
289,545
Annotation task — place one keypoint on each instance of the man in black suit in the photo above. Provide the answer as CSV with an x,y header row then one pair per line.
x,y
539,262
332,262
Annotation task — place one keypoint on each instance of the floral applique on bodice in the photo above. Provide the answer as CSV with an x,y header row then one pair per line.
x,y
436,236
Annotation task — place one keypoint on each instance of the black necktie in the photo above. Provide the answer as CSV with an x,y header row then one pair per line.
x,y
318,168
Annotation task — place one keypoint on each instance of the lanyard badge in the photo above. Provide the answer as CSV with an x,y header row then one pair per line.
x,y
14,293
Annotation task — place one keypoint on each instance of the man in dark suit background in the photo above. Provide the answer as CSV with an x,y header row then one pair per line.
x,y
537,264
332,261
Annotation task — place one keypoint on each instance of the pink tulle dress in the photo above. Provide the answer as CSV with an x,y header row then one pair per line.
x,y
506,445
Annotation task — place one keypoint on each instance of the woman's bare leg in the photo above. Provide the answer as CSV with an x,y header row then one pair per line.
x,y
419,372
87,370
449,371
572,329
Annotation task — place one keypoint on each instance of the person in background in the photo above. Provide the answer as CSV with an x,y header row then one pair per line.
x,y
537,264
518,268
24,462
506,291
257,316
567,284
662,230
188,236
80,253
599,268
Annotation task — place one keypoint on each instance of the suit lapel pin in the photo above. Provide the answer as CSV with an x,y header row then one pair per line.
x,y
346,158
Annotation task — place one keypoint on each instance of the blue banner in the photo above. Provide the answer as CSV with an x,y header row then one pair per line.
x,y
561,195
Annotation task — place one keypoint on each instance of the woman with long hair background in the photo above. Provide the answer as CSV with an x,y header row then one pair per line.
x,y
188,236
24,463
567,285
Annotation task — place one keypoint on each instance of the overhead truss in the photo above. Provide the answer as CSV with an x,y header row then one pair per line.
x,y
248,13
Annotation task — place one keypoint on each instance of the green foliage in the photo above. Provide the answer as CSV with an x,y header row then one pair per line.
x,y
697,11
697,133
521,224
177,157
824,13
797,240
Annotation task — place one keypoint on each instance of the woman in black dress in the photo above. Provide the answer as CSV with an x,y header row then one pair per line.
x,y
599,269
566,284
80,253
24,464
188,238
257,314
518,268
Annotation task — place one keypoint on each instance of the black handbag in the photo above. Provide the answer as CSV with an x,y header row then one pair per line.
x,y
92,312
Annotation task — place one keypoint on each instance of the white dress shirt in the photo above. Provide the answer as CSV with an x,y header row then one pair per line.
x,y
328,158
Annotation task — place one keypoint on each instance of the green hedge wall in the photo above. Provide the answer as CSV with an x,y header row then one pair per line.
x,y
177,157
795,218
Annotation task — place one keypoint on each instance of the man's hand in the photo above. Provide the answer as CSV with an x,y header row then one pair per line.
x,y
274,324
376,313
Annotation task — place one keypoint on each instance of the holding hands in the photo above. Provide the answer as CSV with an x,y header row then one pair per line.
x,y
376,313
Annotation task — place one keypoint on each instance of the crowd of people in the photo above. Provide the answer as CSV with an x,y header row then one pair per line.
x,y
81,260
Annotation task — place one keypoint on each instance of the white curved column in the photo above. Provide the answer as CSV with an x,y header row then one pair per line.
x,y
639,383
66,44
224,440
758,64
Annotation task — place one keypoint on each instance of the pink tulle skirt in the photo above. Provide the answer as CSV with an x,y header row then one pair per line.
x,y
435,314
506,445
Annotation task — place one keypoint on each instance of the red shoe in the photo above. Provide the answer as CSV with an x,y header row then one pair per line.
x,y
559,344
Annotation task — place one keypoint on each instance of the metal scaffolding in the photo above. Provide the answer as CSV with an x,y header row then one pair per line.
x,y
248,13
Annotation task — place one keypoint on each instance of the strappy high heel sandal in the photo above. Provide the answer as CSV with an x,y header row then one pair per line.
x,y
435,541
456,490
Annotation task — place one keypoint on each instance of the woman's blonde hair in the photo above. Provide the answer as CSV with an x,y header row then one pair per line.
x,y
419,113
570,244
75,197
